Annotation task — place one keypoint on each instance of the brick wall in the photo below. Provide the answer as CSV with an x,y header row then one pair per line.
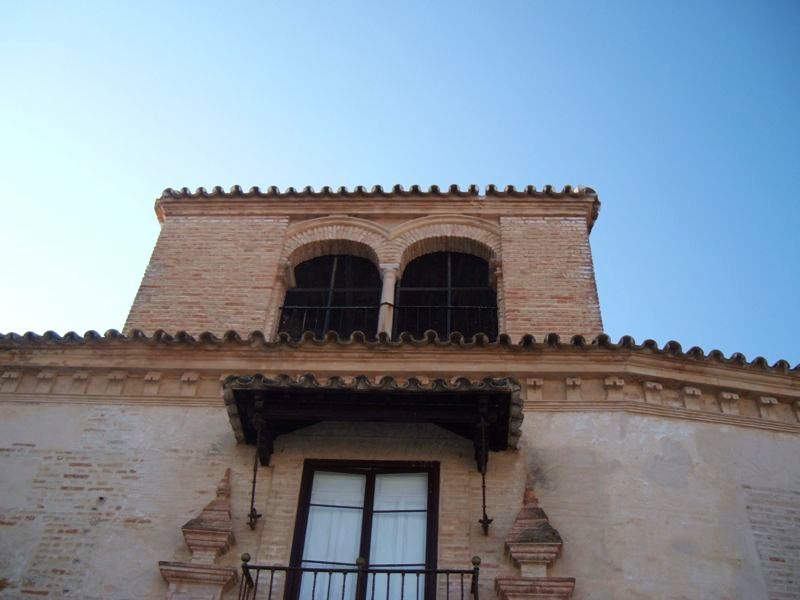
x,y
647,507
219,262
548,277
210,274
774,516
100,492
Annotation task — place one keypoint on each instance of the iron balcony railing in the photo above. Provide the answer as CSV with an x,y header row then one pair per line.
x,y
359,582
295,320
444,320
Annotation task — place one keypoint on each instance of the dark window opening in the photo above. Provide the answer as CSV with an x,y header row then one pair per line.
x,y
446,292
383,512
336,292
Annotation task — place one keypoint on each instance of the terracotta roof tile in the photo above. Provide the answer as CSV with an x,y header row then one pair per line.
x,y
527,343
377,191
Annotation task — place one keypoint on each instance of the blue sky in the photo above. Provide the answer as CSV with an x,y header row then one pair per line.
x,y
683,115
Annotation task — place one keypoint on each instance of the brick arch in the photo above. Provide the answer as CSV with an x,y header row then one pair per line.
x,y
443,234
334,235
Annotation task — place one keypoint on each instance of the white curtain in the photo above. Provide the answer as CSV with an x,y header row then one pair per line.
x,y
333,535
398,536
398,540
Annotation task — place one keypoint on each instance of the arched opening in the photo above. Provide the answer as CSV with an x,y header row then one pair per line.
x,y
446,292
335,292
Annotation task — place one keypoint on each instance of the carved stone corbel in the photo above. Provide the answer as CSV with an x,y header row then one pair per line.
x,y
729,403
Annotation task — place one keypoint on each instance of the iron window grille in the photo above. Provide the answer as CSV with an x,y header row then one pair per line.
x,y
336,292
446,292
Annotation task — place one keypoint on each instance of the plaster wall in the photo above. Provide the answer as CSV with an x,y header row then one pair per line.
x,y
652,508
93,496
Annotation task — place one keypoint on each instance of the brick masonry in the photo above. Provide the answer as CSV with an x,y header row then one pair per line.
x,y
548,277
774,516
101,491
210,274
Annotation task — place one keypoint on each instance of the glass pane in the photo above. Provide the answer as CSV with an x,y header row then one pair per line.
x,y
398,539
339,489
332,535
404,491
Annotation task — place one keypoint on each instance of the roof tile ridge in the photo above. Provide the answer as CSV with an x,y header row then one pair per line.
x,y
429,338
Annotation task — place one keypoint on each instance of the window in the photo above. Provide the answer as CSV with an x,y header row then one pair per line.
x,y
334,293
385,512
446,292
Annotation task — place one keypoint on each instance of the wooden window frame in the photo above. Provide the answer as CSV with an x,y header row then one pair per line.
x,y
369,468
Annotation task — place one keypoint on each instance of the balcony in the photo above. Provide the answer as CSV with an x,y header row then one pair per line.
x,y
344,320
359,582
444,320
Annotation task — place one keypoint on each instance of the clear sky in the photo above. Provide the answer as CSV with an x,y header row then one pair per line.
x,y
684,116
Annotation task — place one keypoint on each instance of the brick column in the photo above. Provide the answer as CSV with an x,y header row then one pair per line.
x,y
386,314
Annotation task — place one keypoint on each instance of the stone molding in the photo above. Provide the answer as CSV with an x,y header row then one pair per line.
x,y
200,385
614,377
534,588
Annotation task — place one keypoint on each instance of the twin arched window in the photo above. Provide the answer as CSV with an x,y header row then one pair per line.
x,y
443,291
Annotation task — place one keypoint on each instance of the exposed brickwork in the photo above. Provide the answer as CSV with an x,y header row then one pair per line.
x,y
86,514
774,517
548,277
210,274
333,235
436,234
215,272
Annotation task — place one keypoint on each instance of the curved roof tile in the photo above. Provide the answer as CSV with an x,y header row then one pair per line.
x,y
377,191
430,338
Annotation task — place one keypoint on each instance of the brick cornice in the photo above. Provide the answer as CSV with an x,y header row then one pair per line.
x,y
644,380
411,207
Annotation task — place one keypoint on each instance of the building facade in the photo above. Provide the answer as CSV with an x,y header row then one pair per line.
x,y
366,392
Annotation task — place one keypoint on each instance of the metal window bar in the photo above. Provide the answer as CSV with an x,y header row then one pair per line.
x,y
295,320
387,582
444,320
